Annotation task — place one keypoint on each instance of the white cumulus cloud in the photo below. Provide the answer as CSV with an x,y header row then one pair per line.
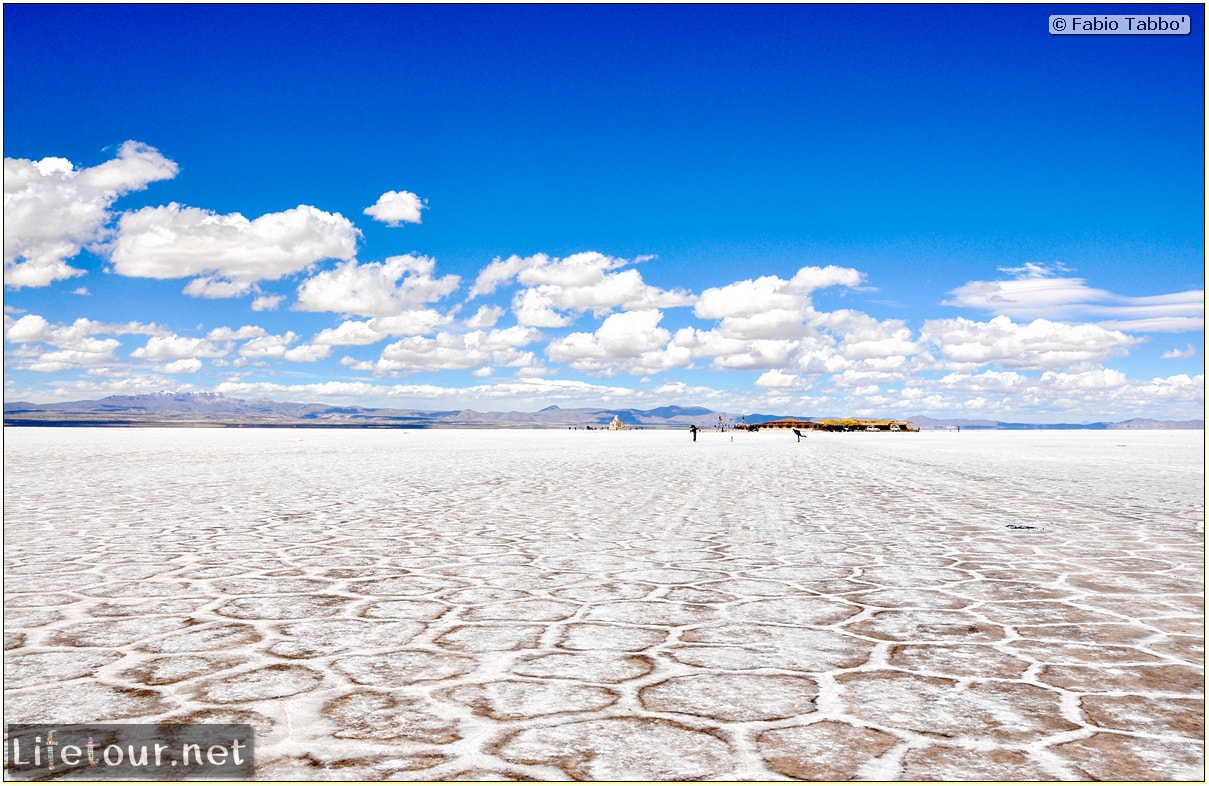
x,y
458,351
557,290
174,347
53,210
395,208
77,345
184,366
776,379
227,252
229,334
267,302
770,307
375,289
277,347
866,338
80,336
485,317
629,341
1039,345
370,331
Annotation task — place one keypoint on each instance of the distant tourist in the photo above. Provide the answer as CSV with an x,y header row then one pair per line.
x,y
798,434
693,429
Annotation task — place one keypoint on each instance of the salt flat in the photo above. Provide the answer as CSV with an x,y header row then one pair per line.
x,y
494,605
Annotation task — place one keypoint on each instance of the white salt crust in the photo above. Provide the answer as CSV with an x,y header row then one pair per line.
x,y
496,605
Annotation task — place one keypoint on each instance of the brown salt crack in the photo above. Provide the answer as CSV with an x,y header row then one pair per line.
x,y
945,708
733,697
824,751
621,749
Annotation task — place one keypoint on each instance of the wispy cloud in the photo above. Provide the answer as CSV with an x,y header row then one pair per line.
x,y
1178,354
1038,292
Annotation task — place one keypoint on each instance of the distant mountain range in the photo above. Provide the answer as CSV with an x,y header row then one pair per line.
x,y
212,409
1136,424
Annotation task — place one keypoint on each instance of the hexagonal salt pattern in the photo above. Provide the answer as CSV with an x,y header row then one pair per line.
x,y
450,605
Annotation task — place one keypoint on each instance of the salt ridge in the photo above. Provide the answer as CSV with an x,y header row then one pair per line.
x,y
629,606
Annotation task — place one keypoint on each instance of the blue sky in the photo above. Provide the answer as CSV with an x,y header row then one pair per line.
x,y
805,210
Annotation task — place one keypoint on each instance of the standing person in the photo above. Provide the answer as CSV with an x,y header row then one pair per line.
x,y
693,429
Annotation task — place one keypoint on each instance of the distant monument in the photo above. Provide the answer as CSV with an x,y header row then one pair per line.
x,y
616,425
